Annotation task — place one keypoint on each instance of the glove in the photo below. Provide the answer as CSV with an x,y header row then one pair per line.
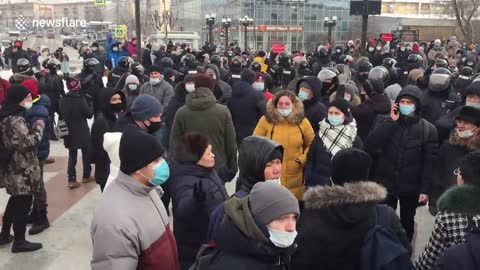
x,y
198,193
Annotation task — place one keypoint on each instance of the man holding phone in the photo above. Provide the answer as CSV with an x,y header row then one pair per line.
x,y
405,146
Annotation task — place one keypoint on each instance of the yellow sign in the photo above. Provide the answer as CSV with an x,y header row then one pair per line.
x,y
100,2
121,31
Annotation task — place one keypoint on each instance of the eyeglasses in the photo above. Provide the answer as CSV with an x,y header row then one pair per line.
x,y
457,172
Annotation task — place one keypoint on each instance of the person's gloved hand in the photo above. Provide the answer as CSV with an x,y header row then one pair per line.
x,y
198,193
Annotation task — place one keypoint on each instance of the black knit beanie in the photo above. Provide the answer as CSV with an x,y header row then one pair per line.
x,y
138,149
248,75
276,154
156,68
16,94
342,105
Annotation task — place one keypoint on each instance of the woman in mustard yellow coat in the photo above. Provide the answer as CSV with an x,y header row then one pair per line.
x,y
284,123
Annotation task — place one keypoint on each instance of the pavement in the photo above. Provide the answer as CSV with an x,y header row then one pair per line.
x,y
67,244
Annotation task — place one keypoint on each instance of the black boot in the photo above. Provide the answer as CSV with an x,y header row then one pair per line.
x,y
25,246
39,225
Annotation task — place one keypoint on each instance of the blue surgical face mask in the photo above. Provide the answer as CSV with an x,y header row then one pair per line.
x,y
406,109
285,112
132,87
115,49
161,172
302,95
282,239
155,80
335,120
259,86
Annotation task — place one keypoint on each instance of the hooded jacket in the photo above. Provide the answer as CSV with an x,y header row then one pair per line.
x,y
339,217
315,111
222,91
437,104
192,216
243,244
404,151
459,208
247,105
106,122
39,111
295,134
201,113
366,113
75,111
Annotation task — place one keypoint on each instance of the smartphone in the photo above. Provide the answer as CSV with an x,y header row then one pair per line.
x,y
396,110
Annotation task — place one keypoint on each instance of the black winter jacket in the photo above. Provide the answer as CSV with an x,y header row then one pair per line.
x,y
191,214
315,110
437,104
246,106
75,111
366,113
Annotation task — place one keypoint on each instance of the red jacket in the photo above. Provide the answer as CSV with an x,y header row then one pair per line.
x,y
4,84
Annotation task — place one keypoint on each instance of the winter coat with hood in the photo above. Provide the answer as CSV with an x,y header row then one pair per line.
x,y
222,91
319,158
295,134
75,111
451,153
113,57
339,217
243,244
253,157
162,91
315,111
39,111
247,105
201,113
108,43
464,256
404,150
437,104
459,209
191,216
106,122
22,174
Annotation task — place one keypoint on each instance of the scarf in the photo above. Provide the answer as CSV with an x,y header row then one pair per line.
x,y
336,138
9,109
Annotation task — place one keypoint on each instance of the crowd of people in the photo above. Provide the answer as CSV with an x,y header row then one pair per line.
x,y
324,146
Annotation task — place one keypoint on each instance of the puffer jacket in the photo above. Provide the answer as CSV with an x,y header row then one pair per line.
x,y
201,113
339,217
459,209
191,215
315,110
22,176
295,134
247,105
39,111
404,151
438,104
242,244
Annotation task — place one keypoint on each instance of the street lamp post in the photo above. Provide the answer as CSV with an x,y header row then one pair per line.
x,y
210,20
330,24
245,22
226,25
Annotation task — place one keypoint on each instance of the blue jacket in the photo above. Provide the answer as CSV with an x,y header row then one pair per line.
x,y
190,213
39,111
113,57
108,43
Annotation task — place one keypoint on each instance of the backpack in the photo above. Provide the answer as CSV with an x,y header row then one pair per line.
x,y
382,249
205,256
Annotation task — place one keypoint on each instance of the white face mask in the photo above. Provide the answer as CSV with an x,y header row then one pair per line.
x,y
282,239
465,134
259,86
371,49
285,112
27,105
473,104
190,87
276,180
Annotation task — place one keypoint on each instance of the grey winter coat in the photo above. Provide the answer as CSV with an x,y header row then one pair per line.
x,y
162,91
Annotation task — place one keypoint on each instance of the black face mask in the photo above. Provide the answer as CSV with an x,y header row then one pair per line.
x,y
116,108
154,126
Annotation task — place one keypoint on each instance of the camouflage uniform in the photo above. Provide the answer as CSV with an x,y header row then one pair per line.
x,y
22,176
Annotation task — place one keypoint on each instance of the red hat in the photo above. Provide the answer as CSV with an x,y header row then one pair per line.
x,y
259,75
32,87
73,84
415,47
202,80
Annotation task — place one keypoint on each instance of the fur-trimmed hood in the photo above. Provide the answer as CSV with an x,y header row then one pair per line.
x,y
350,193
296,117
472,145
464,199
